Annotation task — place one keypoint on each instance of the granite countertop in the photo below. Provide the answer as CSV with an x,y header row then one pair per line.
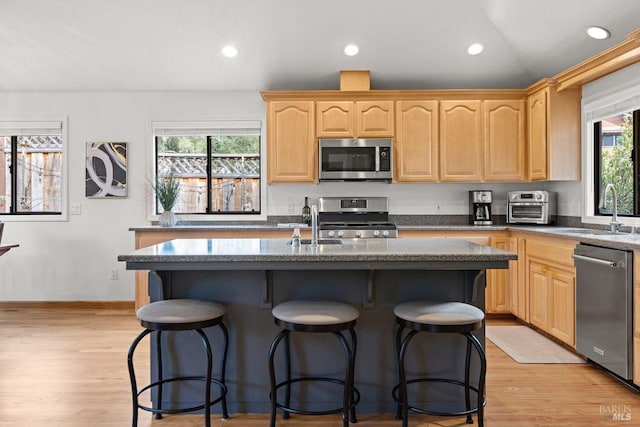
x,y
405,250
585,235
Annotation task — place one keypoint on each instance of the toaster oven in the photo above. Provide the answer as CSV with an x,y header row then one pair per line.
x,y
531,207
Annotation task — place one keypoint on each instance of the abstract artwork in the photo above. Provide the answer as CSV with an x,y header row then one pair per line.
x,y
106,174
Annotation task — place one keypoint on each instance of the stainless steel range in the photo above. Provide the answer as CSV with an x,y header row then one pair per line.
x,y
355,217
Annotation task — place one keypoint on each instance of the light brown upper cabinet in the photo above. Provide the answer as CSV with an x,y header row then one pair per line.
x,y
374,119
461,141
334,119
504,140
416,143
354,119
553,133
291,146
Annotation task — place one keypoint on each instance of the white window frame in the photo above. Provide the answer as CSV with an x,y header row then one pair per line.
x,y
211,124
25,125
605,97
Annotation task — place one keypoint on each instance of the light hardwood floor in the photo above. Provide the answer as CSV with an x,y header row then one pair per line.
x,y
65,365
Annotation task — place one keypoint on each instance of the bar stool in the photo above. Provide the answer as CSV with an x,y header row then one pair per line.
x,y
316,317
450,317
181,315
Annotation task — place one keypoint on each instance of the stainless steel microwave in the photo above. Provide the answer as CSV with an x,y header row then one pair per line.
x,y
531,207
355,159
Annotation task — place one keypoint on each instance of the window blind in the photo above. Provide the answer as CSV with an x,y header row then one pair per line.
x,y
8,128
244,127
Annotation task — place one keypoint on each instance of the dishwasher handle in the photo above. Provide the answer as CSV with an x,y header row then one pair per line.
x,y
612,264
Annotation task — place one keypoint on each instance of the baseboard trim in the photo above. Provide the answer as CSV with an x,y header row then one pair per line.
x,y
66,305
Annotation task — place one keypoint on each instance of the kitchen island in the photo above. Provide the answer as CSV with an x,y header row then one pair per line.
x,y
249,276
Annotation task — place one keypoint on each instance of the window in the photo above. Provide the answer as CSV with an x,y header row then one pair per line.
x,y
616,144
31,168
217,166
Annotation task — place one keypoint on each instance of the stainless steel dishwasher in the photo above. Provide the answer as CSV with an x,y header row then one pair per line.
x,y
604,310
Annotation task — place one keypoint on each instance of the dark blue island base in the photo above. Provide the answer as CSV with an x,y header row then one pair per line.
x,y
248,290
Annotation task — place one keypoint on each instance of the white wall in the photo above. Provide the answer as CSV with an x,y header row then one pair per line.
x,y
72,260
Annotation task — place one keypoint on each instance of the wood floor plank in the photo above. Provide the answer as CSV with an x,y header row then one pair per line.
x,y
65,365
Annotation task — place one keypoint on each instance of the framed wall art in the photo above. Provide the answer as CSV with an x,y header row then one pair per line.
x,y
106,169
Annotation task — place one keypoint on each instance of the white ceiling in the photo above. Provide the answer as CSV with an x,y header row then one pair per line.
x,y
124,45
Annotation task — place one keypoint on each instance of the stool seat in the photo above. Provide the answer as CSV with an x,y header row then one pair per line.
x,y
180,314
175,316
317,316
448,313
439,317
314,313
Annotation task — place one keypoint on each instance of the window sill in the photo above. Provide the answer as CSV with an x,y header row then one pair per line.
x,y
214,218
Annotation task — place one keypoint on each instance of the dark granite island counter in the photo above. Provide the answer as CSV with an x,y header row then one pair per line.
x,y
248,276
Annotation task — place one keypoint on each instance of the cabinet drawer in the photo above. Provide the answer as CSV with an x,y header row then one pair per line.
x,y
556,251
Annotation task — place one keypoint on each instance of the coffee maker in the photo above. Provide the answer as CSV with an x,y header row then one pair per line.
x,y
480,207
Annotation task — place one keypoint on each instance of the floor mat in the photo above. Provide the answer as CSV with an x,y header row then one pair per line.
x,y
524,345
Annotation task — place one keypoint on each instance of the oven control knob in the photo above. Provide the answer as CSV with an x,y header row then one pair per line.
x,y
385,233
538,196
331,233
376,233
340,233
358,233
514,197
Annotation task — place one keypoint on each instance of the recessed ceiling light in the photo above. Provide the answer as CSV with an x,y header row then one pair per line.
x,y
351,50
598,33
475,49
229,51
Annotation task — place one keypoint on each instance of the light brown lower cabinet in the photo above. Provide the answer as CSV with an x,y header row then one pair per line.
x,y
551,280
497,298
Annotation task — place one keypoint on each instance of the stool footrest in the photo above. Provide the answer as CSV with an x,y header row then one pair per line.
x,y
323,379
437,413
221,386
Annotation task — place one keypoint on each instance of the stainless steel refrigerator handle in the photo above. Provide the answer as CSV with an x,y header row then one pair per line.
x,y
612,264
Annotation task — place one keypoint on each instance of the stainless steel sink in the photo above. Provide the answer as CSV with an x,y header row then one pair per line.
x,y
320,242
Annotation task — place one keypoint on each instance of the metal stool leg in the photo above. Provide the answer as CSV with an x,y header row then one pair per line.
x,y
354,348
132,375
481,381
223,369
287,361
159,356
207,381
403,378
346,394
272,376
399,332
467,368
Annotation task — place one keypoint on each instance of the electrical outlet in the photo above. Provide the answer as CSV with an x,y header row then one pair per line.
x,y
438,208
76,209
114,273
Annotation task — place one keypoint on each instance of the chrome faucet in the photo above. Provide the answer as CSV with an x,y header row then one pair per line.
x,y
314,225
615,224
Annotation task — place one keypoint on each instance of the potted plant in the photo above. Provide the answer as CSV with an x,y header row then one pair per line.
x,y
167,191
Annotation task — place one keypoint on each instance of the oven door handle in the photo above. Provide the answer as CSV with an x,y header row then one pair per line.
x,y
612,264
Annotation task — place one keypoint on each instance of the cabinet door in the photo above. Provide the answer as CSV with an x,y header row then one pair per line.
x,y
460,141
518,290
540,294
537,135
497,294
374,119
416,143
562,323
504,140
291,147
334,119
